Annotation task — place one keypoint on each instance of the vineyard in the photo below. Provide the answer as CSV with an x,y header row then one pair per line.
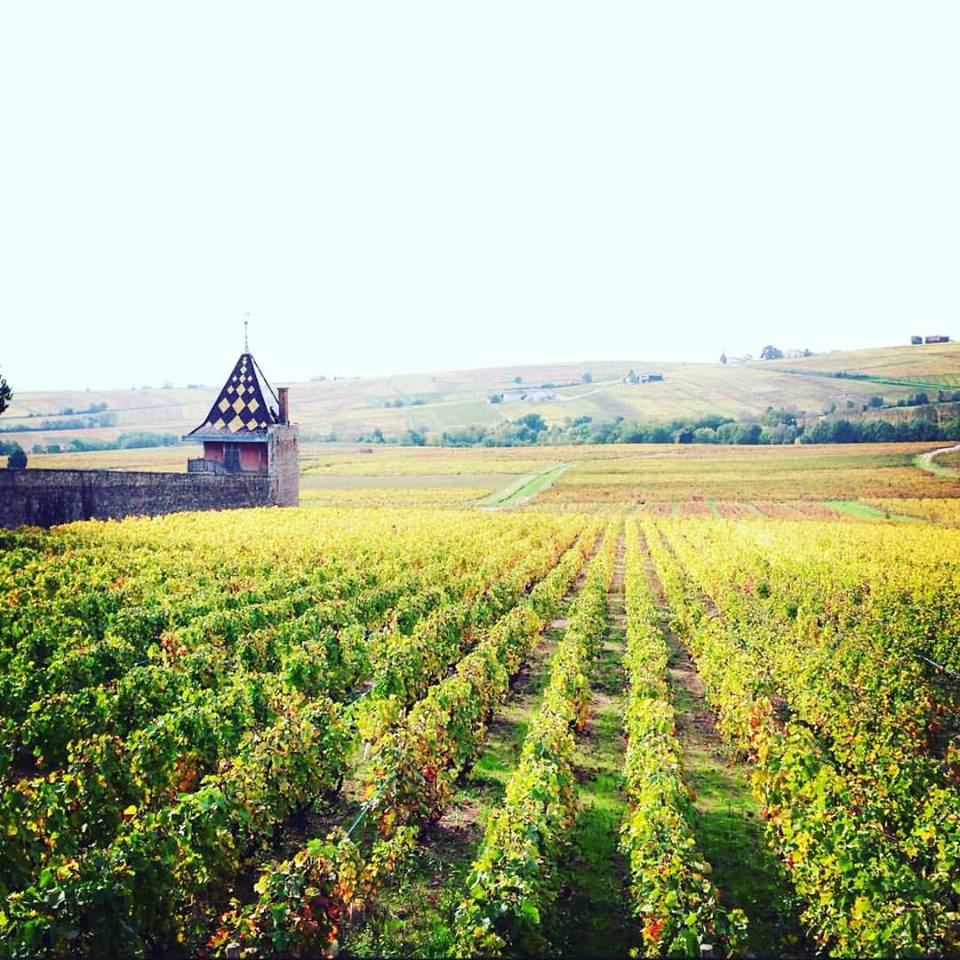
x,y
398,725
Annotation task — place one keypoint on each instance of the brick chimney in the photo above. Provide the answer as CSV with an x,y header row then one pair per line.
x,y
282,399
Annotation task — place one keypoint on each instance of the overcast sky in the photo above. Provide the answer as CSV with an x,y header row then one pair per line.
x,y
403,186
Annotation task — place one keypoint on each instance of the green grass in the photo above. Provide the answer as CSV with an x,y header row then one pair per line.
x,y
730,834
863,511
487,780
526,488
414,916
727,827
593,920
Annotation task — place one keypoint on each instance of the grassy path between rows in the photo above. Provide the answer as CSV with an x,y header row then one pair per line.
x,y
526,488
420,904
729,829
594,916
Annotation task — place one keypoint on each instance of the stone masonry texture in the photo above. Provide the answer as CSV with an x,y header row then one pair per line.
x,y
47,497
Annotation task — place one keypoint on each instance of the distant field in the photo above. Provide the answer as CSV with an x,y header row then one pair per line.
x,y
319,460
708,473
607,477
151,459
347,408
392,497
938,511
936,364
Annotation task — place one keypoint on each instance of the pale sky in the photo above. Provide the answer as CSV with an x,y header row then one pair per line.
x,y
405,186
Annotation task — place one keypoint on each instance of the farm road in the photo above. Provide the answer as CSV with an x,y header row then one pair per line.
x,y
925,461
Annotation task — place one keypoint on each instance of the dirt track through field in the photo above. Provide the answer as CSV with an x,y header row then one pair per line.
x,y
927,461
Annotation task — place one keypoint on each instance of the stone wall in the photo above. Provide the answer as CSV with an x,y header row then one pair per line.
x,y
47,497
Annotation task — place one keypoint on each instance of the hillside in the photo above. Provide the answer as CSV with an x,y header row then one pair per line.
x,y
345,408
934,365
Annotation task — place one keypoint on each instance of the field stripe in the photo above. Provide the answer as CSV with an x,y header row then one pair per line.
x,y
526,488
863,511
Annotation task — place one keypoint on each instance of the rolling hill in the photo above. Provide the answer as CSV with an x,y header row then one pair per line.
x,y
345,408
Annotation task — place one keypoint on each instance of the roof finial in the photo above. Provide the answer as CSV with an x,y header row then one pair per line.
x,y
246,342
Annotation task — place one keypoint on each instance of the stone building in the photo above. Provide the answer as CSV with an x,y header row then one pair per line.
x,y
247,431
250,459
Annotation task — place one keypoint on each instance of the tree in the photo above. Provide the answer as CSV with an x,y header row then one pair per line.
x,y
17,460
587,376
844,432
534,422
770,352
414,438
748,433
6,394
518,379
727,432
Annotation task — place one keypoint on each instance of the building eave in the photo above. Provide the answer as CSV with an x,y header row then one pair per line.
x,y
215,437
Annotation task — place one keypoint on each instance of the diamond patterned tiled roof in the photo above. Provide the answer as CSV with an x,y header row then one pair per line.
x,y
241,410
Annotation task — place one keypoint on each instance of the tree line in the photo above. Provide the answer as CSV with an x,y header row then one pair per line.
x,y
776,427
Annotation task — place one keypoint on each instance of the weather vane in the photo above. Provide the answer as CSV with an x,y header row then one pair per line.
x,y
246,341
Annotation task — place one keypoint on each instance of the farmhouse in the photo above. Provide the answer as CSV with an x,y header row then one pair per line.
x,y
532,394
250,459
